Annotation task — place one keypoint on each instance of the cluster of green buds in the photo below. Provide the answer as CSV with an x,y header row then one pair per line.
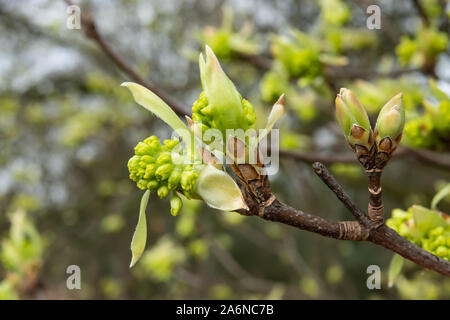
x,y
373,148
173,167
161,169
220,106
426,228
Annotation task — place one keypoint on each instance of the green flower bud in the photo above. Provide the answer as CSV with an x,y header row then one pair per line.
x,y
437,231
174,179
175,204
188,180
220,105
164,157
163,191
163,172
153,168
152,185
441,251
390,123
353,119
440,240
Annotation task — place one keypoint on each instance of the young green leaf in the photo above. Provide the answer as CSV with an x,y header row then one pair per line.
x,y
140,235
395,268
276,113
154,104
445,192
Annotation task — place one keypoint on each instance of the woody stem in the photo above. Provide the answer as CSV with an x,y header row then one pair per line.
x,y
375,207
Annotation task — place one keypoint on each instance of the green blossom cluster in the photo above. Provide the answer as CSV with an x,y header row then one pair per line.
x,y
153,167
203,112
431,233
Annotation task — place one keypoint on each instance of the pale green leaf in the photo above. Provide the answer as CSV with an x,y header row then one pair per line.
x,y
219,190
154,104
140,234
444,192
395,268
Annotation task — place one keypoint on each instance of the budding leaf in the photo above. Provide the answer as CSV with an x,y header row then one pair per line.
x,y
276,113
140,234
219,190
220,106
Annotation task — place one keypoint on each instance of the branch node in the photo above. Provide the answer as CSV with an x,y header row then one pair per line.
x,y
352,230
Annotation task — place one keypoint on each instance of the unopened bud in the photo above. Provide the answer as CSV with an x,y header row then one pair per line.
x,y
390,123
163,191
175,204
353,119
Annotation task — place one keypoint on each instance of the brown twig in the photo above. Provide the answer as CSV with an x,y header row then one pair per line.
x,y
350,230
334,186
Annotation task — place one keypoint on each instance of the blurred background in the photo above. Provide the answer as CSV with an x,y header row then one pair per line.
x,y
67,130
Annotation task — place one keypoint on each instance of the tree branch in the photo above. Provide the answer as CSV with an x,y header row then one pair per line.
x,y
352,230
334,186
383,236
